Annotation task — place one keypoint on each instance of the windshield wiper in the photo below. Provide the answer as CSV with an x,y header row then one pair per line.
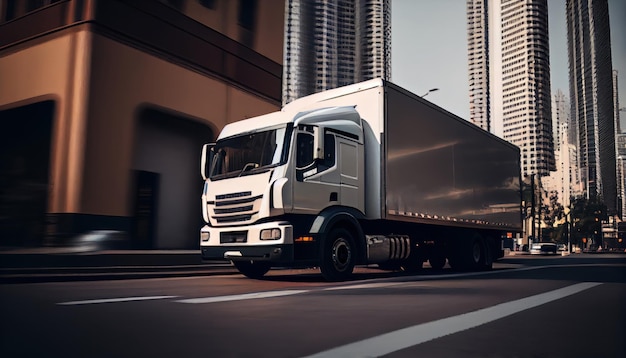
x,y
247,167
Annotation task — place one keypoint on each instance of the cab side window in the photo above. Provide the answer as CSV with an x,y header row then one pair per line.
x,y
329,152
304,155
305,164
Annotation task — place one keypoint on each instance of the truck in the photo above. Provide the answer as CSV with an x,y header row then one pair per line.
x,y
365,174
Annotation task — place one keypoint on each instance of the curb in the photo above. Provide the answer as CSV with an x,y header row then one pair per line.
x,y
100,274
28,266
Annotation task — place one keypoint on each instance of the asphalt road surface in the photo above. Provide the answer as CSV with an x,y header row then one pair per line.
x,y
572,306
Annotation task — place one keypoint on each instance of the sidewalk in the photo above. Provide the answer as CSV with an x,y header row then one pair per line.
x,y
54,264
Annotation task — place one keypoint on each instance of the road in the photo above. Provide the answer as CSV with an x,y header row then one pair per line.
x,y
572,306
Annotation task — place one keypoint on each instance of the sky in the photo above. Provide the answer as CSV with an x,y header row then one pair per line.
x,y
429,50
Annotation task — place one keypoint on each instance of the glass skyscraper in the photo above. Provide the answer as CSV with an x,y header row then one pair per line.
x,y
591,96
333,43
509,77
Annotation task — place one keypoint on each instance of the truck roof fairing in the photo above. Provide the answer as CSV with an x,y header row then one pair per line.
x,y
255,123
350,120
318,98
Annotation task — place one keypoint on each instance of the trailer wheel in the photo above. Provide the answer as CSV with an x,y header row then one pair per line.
x,y
487,263
415,262
477,251
468,255
252,269
338,255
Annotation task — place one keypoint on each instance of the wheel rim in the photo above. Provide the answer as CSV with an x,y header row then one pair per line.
x,y
341,254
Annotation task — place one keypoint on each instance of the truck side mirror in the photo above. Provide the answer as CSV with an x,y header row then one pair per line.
x,y
206,159
318,142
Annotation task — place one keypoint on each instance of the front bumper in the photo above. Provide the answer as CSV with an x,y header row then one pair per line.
x,y
272,253
244,243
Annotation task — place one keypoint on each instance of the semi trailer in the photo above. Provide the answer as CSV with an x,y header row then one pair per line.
x,y
364,174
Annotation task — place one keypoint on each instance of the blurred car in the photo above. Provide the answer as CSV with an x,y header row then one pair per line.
x,y
543,248
562,248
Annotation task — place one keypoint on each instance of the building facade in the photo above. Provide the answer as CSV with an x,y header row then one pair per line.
x,y
591,96
514,79
333,43
106,104
620,152
621,175
561,116
565,150
478,62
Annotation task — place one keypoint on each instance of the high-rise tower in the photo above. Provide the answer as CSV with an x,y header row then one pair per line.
x,y
509,68
591,96
478,62
560,116
332,43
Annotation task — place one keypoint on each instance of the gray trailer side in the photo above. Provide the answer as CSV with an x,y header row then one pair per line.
x,y
440,169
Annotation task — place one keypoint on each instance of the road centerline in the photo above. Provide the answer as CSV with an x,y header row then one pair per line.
x,y
244,296
411,336
114,300
364,286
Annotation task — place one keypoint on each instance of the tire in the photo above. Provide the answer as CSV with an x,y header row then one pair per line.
x,y
469,255
415,262
487,264
252,269
477,251
338,255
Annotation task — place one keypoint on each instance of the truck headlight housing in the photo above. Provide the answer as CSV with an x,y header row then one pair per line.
x,y
205,236
270,234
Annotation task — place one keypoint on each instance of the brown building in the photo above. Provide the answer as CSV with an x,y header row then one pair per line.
x,y
104,106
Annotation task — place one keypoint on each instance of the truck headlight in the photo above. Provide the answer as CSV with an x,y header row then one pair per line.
x,y
270,234
205,235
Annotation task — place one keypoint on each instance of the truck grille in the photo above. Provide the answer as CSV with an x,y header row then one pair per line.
x,y
235,207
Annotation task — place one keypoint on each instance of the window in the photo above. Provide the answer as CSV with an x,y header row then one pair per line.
x,y
304,155
329,152
250,153
247,13
305,164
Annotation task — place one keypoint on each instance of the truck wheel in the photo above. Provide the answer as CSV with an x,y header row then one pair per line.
x,y
415,262
487,263
469,255
478,252
338,255
252,269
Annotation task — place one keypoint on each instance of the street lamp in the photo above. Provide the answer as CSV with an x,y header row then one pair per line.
x,y
430,90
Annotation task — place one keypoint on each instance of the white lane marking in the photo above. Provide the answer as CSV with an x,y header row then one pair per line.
x,y
245,296
365,285
114,300
412,336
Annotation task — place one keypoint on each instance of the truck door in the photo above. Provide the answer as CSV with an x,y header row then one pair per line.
x,y
317,182
349,163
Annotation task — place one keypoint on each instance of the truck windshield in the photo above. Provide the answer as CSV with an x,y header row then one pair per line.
x,y
250,153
